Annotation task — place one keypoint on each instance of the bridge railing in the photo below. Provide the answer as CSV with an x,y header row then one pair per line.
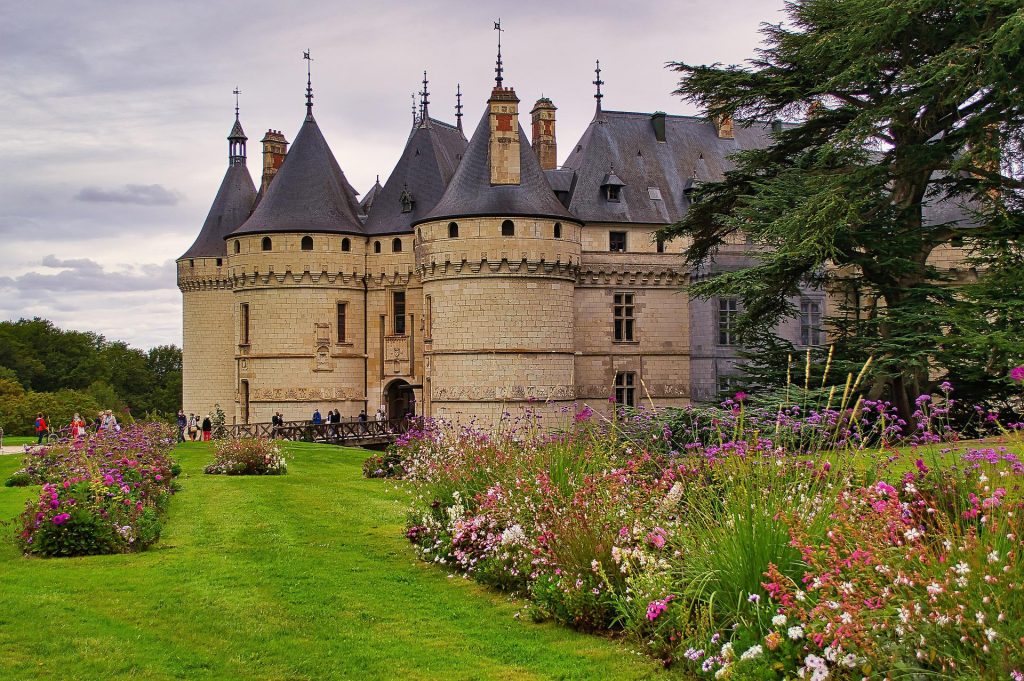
x,y
307,431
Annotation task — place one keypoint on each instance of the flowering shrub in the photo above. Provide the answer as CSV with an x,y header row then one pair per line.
x,y
800,542
387,465
105,493
248,456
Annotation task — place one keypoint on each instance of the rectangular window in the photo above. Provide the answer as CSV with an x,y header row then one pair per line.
x,y
727,311
623,314
341,322
398,312
243,331
625,392
726,385
810,322
661,245
617,242
428,317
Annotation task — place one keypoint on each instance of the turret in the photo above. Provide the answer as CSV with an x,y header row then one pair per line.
x,y
543,139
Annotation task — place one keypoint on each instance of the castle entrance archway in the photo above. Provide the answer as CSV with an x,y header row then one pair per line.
x,y
400,399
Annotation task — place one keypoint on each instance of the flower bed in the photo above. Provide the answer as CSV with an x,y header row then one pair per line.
x,y
248,456
105,493
822,551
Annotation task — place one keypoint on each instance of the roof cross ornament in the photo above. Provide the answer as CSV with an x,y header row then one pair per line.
x,y
598,83
236,92
498,69
458,105
309,83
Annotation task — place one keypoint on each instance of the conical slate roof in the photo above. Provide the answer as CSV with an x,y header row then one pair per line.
x,y
234,202
427,164
367,201
309,192
470,192
236,131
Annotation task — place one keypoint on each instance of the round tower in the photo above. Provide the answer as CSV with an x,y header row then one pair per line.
x,y
498,257
296,268
208,368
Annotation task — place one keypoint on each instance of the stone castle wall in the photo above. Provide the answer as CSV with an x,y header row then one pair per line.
x,y
208,367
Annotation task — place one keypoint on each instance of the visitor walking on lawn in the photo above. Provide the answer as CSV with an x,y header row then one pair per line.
x,y
193,427
42,430
207,428
77,426
182,425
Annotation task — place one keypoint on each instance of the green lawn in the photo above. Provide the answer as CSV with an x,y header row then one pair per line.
x,y
305,576
19,440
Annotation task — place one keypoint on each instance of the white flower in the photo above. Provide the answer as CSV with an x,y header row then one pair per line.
x,y
779,620
961,568
934,588
727,651
990,634
913,534
795,633
755,651
993,557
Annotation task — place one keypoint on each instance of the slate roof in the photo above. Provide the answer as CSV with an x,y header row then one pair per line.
x,y
231,207
426,166
626,141
309,192
470,192
367,201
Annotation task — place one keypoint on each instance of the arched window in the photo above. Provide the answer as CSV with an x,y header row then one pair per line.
x,y
307,243
238,246
453,230
558,230
346,244
376,247
396,245
267,244
508,228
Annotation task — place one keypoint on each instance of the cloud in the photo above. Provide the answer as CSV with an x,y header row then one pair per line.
x,y
85,275
141,194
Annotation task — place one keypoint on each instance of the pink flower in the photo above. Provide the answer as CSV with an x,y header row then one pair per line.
x,y
61,518
1017,373
740,396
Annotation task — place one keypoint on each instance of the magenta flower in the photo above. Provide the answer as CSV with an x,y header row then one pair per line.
x,y
61,518
740,396
1017,374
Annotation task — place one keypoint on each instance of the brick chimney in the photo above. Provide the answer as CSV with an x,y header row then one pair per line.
x,y
275,147
544,142
504,142
723,126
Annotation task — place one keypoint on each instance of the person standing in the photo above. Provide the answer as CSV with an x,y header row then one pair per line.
x,y
182,425
77,426
362,416
193,427
317,419
207,428
41,428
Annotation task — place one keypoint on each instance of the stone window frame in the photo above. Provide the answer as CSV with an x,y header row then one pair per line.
x,y
376,246
613,239
341,306
244,324
453,230
557,230
396,328
428,318
810,322
625,388
728,310
624,317
305,241
267,244
508,228
396,245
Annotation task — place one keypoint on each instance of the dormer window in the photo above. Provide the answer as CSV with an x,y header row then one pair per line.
x,y
406,200
611,186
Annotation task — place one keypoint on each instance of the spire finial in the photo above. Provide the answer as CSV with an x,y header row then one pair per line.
x,y
458,105
424,100
415,118
498,69
598,83
236,92
309,83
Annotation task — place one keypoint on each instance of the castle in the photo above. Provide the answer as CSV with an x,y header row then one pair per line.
x,y
479,279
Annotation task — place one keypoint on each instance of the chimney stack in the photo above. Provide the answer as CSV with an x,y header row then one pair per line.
x,y
504,143
658,122
275,147
544,143
723,126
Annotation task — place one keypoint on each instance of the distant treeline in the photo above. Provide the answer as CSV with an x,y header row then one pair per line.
x,y
44,368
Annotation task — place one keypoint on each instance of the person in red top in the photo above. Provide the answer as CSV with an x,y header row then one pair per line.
x,y
41,428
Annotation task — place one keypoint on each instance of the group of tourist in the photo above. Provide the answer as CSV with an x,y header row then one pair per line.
x,y
105,420
194,429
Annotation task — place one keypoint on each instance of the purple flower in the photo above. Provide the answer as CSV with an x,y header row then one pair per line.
x,y
1017,374
946,387
61,518
740,396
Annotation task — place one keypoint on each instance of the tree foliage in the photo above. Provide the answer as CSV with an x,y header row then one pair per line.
x,y
60,372
914,112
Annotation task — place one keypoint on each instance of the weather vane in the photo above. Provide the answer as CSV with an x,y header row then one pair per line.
x,y
458,105
309,82
426,96
236,92
598,83
498,69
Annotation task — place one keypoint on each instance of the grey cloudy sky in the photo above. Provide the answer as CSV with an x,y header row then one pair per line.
x,y
113,115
